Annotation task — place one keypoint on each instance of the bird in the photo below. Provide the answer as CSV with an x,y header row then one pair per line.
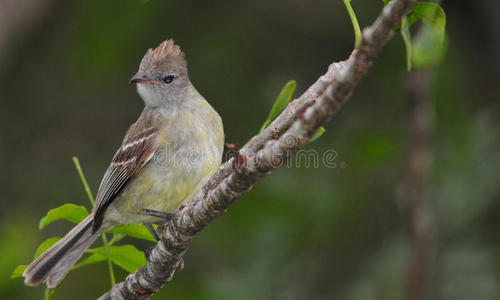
x,y
165,158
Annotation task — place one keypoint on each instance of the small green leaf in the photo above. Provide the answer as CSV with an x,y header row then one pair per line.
x,y
18,271
134,230
429,43
46,245
317,134
280,103
93,259
127,257
411,18
385,2
405,33
428,48
431,14
68,211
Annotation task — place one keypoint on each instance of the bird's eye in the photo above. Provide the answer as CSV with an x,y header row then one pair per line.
x,y
168,78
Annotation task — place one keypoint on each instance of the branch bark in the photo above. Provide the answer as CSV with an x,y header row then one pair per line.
x,y
422,218
293,129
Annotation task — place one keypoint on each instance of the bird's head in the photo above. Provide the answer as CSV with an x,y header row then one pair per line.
x,y
162,73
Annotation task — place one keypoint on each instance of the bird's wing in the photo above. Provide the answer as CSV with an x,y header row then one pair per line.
x,y
137,149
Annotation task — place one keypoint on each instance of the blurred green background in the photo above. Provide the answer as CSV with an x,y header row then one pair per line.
x,y
301,233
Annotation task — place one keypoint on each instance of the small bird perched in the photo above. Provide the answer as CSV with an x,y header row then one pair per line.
x,y
166,157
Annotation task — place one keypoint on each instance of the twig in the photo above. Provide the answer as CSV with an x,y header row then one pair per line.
x,y
265,152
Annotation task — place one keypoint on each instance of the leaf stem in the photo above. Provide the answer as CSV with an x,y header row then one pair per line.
x,y
405,33
84,181
50,292
355,24
91,198
110,264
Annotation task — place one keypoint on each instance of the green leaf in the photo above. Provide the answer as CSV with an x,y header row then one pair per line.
x,y
18,271
46,245
429,47
411,18
405,33
134,230
68,211
93,259
280,103
127,257
385,2
317,134
429,44
431,14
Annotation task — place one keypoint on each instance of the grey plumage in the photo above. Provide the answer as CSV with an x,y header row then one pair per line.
x,y
52,265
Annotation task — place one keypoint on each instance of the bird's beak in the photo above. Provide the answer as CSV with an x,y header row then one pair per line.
x,y
139,77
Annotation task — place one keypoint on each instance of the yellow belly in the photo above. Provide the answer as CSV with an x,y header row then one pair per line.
x,y
156,189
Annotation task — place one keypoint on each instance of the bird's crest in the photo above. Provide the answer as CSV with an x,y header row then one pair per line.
x,y
166,51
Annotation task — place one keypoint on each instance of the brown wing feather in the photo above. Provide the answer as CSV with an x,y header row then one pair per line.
x,y
136,150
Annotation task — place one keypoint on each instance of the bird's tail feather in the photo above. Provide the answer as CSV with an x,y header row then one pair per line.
x,y
52,265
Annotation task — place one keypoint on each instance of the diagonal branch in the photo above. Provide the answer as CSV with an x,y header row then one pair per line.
x,y
269,150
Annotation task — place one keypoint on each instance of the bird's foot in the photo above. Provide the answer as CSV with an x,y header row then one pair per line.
x,y
234,150
147,252
154,232
232,147
155,213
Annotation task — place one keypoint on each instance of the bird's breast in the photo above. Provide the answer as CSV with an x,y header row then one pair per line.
x,y
188,153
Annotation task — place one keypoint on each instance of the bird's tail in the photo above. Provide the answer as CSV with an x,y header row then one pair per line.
x,y
52,265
